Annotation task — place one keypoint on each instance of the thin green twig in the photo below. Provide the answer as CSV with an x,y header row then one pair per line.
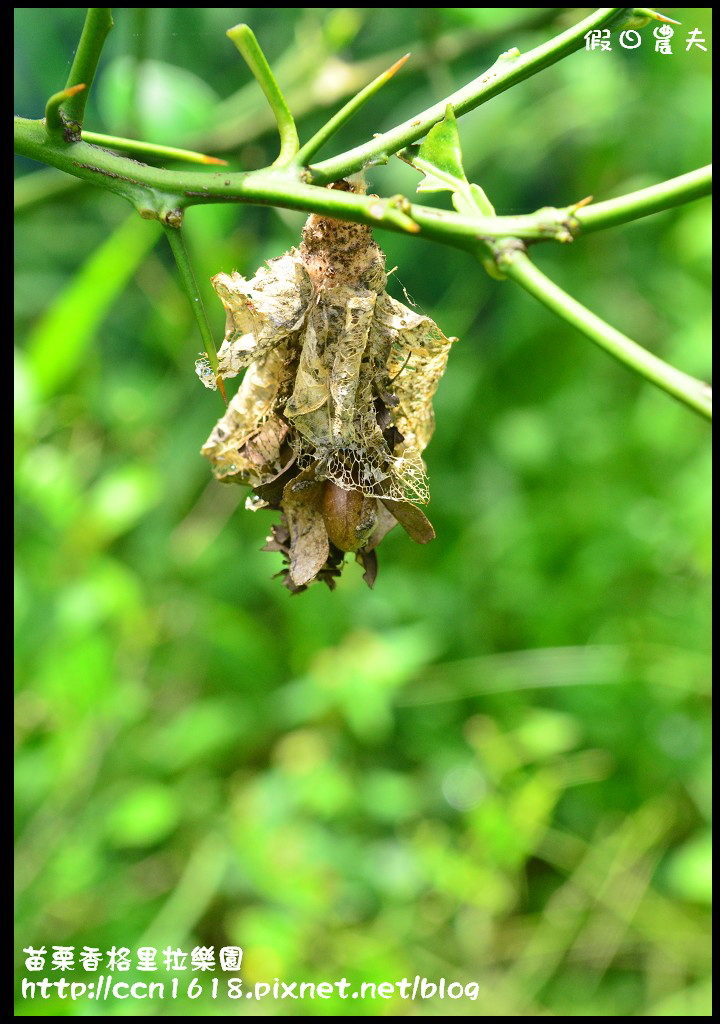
x,y
244,39
692,392
176,240
98,23
345,113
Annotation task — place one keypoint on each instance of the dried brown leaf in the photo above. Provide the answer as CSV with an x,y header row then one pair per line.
x,y
412,519
335,408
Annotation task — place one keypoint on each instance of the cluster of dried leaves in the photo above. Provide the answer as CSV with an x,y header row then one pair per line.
x,y
335,408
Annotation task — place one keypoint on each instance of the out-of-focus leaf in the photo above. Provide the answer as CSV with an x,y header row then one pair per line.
x,y
119,499
142,816
689,870
170,102
57,344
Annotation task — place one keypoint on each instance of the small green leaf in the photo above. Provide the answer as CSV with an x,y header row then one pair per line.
x,y
440,157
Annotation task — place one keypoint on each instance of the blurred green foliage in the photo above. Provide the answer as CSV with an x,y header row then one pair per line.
x,y
494,766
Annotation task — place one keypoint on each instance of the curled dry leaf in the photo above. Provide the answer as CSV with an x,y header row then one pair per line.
x,y
335,408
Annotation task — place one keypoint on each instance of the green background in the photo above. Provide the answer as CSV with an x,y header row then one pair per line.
x,y
491,768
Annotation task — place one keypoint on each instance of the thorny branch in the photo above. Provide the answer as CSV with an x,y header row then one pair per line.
x,y
163,194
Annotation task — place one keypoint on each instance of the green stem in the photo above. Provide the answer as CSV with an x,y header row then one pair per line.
x,y
345,113
244,39
507,71
692,392
634,205
98,23
176,240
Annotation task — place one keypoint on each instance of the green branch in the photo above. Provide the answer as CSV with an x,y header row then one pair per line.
x,y
98,23
509,69
163,194
159,192
244,39
638,204
692,392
